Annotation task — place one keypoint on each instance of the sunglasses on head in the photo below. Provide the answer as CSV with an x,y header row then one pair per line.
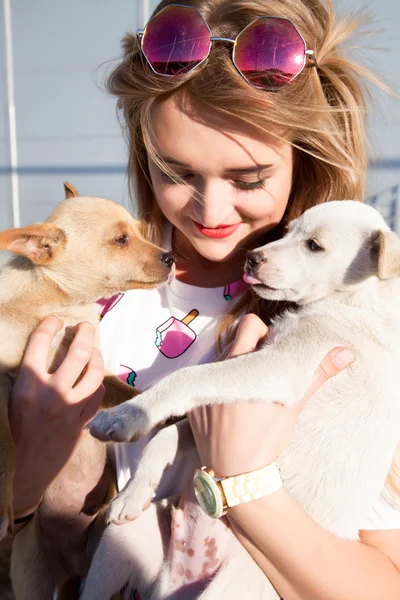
x,y
269,53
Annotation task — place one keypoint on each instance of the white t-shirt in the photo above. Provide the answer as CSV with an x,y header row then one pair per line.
x,y
147,334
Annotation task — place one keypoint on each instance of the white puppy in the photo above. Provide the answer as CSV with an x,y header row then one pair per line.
x,y
340,263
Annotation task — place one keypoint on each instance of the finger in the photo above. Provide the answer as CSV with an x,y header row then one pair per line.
x,y
39,344
250,331
335,361
92,405
91,379
76,359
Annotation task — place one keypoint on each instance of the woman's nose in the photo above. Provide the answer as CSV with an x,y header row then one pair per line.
x,y
213,205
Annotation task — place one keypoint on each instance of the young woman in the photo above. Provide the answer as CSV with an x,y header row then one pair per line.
x,y
240,115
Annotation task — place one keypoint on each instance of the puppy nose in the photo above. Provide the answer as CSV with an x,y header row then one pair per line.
x,y
168,259
254,258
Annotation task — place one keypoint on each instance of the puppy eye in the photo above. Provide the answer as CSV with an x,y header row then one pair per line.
x,y
122,240
314,246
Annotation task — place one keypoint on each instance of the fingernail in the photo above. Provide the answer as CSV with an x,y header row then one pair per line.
x,y
343,358
57,317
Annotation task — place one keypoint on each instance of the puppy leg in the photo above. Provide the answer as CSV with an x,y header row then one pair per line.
x,y
276,373
7,460
169,444
132,555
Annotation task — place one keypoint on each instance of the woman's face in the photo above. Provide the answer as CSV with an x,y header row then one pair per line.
x,y
235,182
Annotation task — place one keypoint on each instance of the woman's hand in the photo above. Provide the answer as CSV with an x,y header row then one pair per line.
x,y
238,438
47,412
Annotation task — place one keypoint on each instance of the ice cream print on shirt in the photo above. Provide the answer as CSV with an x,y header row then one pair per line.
x,y
227,293
235,289
127,375
174,337
106,304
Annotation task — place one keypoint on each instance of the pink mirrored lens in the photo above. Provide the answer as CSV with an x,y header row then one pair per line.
x,y
176,40
270,52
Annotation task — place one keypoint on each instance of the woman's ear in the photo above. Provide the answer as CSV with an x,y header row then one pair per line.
x,y
40,242
387,248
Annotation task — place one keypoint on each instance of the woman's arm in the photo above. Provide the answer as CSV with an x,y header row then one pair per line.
x,y
47,412
305,562
301,559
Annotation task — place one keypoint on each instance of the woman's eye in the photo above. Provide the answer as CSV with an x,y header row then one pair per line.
x,y
175,179
314,246
250,185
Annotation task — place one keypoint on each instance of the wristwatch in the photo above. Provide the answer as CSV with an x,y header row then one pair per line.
x,y
216,495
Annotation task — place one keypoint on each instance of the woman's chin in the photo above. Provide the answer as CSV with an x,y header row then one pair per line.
x,y
219,250
219,255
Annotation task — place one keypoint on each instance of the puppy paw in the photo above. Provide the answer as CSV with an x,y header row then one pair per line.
x,y
129,504
120,424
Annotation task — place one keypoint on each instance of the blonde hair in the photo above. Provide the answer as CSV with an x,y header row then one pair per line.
x,y
322,113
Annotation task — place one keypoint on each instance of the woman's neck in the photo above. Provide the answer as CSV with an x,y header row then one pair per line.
x,y
216,275
194,269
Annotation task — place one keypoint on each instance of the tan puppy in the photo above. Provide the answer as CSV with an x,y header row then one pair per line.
x,y
88,248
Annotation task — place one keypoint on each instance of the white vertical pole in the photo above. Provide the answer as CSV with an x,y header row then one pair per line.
x,y
145,12
11,113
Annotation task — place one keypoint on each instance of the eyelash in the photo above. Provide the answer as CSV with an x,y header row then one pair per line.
x,y
243,186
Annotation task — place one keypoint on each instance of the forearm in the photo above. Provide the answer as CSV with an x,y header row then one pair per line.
x,y
28,493
305,562
37,468
27,497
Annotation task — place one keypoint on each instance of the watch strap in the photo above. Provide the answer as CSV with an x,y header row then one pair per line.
x,y
251,486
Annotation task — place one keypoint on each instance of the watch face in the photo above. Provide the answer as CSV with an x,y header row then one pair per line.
x,y
207,494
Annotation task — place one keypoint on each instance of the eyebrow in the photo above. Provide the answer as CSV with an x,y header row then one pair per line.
x,y
240,170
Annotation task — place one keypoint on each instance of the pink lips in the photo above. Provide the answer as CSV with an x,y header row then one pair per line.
x,y
222,231
250,279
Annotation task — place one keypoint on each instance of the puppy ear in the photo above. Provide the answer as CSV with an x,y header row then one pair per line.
x,y
387,248
40,242
70,190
